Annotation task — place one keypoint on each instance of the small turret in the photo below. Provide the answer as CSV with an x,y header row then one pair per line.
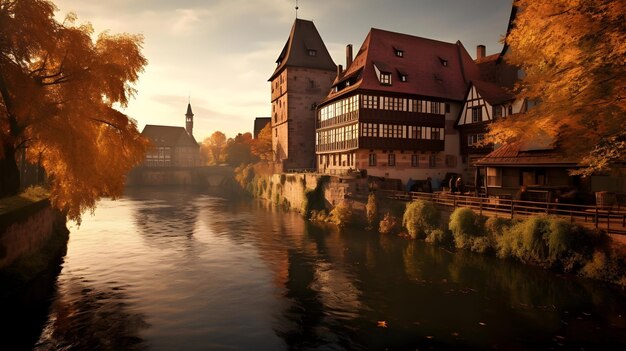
x,y
189,120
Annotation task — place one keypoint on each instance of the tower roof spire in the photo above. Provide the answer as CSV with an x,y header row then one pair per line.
x,y
189,112
297,9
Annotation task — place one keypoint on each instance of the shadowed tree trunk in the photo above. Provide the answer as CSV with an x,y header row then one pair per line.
x,y
9,173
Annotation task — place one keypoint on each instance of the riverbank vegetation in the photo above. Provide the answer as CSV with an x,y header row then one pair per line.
x,y
28,196
545,241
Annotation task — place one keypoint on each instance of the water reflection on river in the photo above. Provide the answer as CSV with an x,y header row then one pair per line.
x,y
170,270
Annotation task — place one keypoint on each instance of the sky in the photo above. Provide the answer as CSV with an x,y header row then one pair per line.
x,y
220,53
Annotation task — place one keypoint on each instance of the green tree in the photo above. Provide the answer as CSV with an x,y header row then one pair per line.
x,y
58,89
572,55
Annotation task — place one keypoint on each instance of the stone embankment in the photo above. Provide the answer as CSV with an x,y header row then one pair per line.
x,y
33,238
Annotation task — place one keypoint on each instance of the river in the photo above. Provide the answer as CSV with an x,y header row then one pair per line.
x,y
176,270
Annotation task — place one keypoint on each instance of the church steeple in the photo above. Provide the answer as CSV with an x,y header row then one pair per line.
x,y
189,120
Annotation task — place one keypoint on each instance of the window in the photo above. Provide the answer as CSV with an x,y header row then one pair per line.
x,y
444,62
372,160
399,53
432,161
435,133
414,160
403,77
477,114
494,176
474,139
434,107
312,52
510,112
497,111
385,78
447,107
391,158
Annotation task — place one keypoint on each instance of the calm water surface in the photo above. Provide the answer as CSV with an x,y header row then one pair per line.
x,y
173,270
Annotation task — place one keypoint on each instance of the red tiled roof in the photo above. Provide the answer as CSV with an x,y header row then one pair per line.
x,y
168,136
494,70
304,37
514,154
492,93
422,61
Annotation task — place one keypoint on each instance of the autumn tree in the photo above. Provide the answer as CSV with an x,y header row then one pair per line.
x,y
572,53
213,148
239,150
262,145
58,90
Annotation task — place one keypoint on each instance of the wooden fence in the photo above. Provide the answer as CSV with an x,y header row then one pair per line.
x,y
610,219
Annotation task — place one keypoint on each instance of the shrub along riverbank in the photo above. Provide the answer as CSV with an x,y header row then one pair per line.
x,y
544,241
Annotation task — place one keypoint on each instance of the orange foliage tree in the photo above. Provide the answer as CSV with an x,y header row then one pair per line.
x,y
262,145
572,53
58,89
212,148
239,150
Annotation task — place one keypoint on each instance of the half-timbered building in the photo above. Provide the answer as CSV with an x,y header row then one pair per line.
x,y
392,111
172,146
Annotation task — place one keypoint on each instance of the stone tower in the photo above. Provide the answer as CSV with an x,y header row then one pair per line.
x,y
303,77
189,120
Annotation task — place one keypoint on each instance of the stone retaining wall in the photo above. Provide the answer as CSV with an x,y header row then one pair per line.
x,y
26,230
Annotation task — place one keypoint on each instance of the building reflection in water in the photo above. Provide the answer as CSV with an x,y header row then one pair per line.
x,y
91,318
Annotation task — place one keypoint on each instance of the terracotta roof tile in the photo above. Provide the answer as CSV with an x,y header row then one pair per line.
x,y
492,93
433,68
514,154
168,136
304,37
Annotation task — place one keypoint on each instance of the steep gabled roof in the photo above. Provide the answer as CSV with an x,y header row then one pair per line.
x,y
304,37
168,136
433,68
492,93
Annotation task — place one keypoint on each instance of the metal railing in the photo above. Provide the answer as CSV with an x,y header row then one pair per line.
x,y
612,220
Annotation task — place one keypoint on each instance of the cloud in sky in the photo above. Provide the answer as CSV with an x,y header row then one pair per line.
x,y
221,52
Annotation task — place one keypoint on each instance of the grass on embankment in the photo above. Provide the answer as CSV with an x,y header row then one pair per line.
x,y
28,196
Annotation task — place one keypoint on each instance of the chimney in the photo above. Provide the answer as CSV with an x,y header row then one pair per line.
x,y
348,55
339,70
480,51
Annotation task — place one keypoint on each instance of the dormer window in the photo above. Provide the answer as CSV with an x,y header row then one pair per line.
x,y
402,74
399,53
312,52
385,78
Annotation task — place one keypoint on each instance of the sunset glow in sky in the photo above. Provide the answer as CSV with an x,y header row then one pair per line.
x,y
221,52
